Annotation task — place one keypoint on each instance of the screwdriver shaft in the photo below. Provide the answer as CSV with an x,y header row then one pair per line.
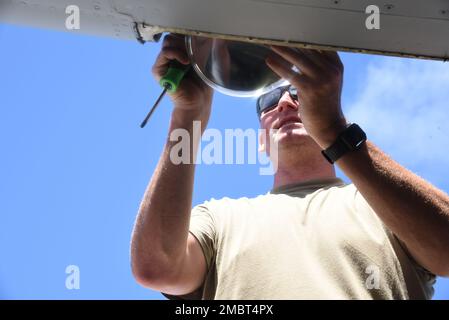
x,y
144,122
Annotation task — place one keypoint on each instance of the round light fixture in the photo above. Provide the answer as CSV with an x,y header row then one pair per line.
x,y
234,68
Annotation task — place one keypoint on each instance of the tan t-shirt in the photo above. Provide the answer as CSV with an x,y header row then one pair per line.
x,y
314,240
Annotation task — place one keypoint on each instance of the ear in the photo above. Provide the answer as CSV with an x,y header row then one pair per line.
x,y
262,144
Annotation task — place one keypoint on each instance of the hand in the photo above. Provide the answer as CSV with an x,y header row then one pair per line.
x,y
192,95
319,86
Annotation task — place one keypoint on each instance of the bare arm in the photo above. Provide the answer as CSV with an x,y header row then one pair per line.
x,y
164,256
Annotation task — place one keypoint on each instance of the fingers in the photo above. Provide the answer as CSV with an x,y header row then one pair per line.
x,y
310,62
332,56
175,43
328,59
284,69
173,48
297,58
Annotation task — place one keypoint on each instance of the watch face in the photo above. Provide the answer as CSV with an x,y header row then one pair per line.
x,y
349,140
354,136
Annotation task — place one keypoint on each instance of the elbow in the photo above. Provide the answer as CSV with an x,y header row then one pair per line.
x,y
440,266
443,265
148,277
152,267
146,264
156,275
445,274
145,271
443,269
159,281
143,276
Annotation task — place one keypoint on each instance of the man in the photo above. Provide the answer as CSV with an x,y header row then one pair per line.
x,y
385,236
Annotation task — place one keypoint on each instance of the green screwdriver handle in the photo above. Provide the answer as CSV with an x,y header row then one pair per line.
x,y
176,71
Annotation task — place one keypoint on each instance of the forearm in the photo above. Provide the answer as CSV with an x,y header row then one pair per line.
x,y
413,209
161,229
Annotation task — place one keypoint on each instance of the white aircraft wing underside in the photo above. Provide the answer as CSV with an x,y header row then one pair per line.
x,y
417,28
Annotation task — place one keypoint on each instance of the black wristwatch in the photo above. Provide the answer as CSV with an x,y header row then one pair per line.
x,y
351,139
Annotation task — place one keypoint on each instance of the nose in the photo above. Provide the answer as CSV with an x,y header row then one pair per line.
x,y
286,102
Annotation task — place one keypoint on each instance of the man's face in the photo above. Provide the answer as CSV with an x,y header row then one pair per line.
x,y
285,119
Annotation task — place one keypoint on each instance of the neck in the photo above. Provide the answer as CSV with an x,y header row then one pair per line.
x,y
310,165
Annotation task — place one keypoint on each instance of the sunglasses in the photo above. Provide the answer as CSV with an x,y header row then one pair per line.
x,y
270,100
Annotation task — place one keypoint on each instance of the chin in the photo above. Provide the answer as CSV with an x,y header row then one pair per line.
x,y
294,139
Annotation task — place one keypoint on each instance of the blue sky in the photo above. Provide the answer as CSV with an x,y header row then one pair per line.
x,y
75,163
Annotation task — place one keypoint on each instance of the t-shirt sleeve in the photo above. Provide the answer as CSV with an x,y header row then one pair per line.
x,y
426,277
203,228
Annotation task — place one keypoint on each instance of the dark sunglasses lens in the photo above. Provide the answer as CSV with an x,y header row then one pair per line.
x,y
293,93
271,99
268,100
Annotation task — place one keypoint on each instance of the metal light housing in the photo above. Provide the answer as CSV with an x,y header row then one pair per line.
x,y
233,68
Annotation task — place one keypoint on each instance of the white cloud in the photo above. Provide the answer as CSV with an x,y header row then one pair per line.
x,y
404,108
